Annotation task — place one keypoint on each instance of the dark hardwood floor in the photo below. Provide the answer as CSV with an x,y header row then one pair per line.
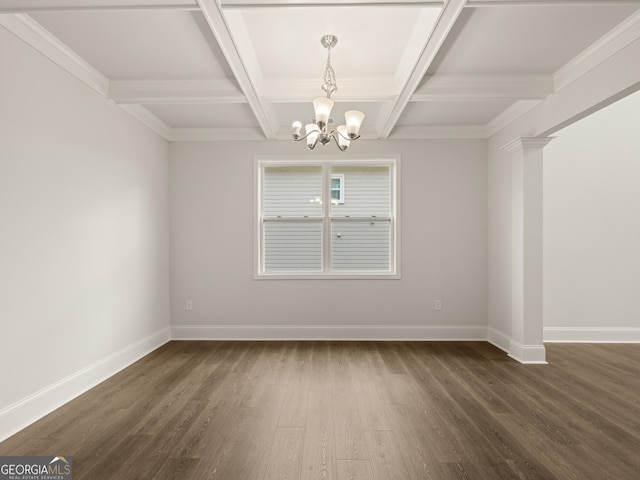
x,y
353,410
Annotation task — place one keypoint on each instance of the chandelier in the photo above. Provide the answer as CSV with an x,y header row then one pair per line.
x,y
319,131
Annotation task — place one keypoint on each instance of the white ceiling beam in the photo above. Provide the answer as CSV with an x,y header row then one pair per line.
x,y
446,20
484,87
218,25
147,92
26,6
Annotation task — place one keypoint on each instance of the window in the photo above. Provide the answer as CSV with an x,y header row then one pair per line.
x,y
355,234
337,188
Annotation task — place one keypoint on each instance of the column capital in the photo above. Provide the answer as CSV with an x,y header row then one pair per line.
x,y
523,143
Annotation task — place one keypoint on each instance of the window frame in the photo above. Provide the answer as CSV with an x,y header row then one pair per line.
x,y
392,161
340,189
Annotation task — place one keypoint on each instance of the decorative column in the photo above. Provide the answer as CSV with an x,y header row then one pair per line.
x,y
526,249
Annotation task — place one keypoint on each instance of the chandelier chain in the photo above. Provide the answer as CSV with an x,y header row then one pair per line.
x,y
329,86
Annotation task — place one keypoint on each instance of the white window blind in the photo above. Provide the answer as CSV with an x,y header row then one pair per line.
x,y
301,233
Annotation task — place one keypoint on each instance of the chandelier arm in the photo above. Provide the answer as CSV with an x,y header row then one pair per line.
x,y
335,139
299,138
346,138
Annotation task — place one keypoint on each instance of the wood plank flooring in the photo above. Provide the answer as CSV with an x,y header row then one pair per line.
x,y
353,411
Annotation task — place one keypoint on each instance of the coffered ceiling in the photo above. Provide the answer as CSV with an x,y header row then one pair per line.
x,y
204,70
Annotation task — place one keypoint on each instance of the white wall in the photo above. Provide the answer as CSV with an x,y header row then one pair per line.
x,y
84,257
600,84
444,243
592,221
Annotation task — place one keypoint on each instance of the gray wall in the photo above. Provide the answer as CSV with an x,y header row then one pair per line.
x,y
443,244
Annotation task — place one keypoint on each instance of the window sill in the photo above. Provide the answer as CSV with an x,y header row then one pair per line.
x,y
327,276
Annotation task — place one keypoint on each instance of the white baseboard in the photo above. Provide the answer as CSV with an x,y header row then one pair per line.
x,y
26,411
498,339
592,334
327,332
528,354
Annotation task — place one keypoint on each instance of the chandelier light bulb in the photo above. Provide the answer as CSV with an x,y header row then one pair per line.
x,y
354,121
343,139
312,134
322,107
296,129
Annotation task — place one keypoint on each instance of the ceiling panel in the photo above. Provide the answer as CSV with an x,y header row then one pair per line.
x,y
140,44
205,115
452,112
371,41
524,40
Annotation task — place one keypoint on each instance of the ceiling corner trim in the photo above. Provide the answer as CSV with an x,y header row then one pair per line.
x,y
212,11
32,33
145,117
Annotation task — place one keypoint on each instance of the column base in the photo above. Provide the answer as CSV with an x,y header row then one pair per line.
x,y
527,354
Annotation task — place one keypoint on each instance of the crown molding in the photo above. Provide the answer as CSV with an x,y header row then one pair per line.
x,y
174,92
484,87
29,31
147,118
608,45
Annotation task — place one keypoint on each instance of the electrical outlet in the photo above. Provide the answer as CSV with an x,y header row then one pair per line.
x,y
188,305
437,305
